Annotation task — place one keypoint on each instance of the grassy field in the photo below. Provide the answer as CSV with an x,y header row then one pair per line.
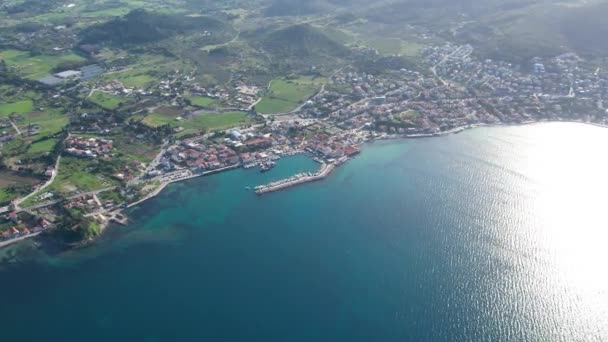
x,y
19,107
50,122
140,74
133,78
35,67
270,105
6,196
41,147
396,46
217,121
162,116
8,179
107,101
135,149
286,95
208,121
74,176
201,101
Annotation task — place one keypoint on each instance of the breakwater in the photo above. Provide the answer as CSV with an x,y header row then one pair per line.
x,y
301,178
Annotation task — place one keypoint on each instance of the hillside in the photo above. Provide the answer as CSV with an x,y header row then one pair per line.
x,y
140,26
295,8
302,41
541,30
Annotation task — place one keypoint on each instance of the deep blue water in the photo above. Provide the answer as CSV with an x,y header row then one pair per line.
x,y
494,234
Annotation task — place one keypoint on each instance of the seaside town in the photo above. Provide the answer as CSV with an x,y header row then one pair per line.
x,y
454,90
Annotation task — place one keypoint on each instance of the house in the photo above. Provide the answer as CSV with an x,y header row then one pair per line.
x,y
68,75
247,158
13,217
236,135
259,143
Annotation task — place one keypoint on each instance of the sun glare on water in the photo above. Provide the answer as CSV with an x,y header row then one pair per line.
x,y
569,170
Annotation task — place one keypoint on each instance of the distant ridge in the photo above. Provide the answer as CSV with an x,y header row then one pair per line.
x,y
141,26
304,41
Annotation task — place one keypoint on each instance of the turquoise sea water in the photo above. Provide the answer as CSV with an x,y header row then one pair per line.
x,y
494,234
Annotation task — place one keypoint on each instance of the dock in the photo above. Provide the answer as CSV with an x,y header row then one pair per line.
x,y
301,178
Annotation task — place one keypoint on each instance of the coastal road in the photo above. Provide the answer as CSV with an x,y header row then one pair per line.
x,y
17,239
49,203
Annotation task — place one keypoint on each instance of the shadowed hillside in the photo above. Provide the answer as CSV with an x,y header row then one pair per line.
x,y
140,26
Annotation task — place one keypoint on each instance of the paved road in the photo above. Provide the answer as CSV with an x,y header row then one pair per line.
x,y
17,239
44,186
16,128
49,203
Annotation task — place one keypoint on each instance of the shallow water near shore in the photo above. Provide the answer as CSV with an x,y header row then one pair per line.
x,y
491,234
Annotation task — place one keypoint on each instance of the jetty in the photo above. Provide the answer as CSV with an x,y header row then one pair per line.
x,y
300,178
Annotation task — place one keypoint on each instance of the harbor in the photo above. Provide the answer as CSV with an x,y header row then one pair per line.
x,y
300,178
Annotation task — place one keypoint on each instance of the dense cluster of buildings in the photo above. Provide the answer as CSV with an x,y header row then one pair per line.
x,y
15,225
460,90
88,147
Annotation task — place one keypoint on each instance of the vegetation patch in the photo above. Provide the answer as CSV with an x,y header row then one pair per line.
x,y
201,101
19,107
162,116
140,26
135,149
107,101
81,174
32,66
217,121
302,41
286,95
41,147
13,185
396,46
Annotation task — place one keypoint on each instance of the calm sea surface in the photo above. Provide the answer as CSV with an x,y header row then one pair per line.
x,y
494,234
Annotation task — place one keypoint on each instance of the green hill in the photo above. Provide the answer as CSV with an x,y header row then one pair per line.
x,y
302,41
140,26
295,8
541,30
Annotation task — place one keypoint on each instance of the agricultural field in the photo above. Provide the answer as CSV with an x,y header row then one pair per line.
x,y
13,186
107,101
51,122
204,121
286,95
162,116
396,46
38,66
19,107
135,149
217,121
133,78
143,70
78,174
41,147
201,101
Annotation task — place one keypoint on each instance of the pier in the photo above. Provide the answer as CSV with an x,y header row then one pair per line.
x,y
301,178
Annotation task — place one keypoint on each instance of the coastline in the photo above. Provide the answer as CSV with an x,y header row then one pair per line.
x,y
460,129
118,217
454,130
